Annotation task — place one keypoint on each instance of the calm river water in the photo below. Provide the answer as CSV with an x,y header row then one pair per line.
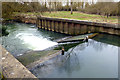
x,y
97,58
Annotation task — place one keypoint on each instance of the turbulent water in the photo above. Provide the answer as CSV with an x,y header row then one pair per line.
x,y
97,58
26,37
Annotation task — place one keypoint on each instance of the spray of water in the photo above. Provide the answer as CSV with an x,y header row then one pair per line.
x,y
34,42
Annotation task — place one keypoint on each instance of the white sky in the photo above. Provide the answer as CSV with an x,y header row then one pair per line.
x,y
58,0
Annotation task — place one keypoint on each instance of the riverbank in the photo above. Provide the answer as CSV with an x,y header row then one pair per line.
x,y
33,36
12,68
78,26
76,16
27,38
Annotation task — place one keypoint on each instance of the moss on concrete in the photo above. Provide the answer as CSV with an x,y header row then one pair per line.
x,y
31,57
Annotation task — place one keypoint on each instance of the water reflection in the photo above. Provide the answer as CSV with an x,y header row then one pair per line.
x,y
108,39
92,59
97,58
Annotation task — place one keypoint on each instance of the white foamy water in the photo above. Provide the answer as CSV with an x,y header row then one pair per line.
x,y
35,42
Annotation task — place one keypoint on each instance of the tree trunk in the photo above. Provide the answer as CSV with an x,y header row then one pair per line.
x,y
50,7
71,8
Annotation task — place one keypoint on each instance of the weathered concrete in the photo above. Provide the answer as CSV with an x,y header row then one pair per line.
x,y
76,27
70,26
77,38
43,59
12,68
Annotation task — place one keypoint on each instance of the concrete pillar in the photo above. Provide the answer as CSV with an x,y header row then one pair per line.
x,y
56,26
46,24
111,31
49,25
117,32
45,27
52,23
97,29
65,27
42,24
101,29
71,28
63,30
90,29
77,29
83,29
61,27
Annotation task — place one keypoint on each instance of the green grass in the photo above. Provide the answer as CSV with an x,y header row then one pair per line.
x,y
81,16
1,75
77,15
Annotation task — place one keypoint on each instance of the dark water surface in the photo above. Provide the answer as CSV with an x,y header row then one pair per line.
x,y
97,58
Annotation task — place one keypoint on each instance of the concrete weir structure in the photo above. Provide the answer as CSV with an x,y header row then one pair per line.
x,y
76,27
12,68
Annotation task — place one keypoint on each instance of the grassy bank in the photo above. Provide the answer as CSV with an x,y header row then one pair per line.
x,y
82,16
79,16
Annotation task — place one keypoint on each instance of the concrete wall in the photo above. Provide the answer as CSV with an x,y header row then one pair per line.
x,y
12,68
76,27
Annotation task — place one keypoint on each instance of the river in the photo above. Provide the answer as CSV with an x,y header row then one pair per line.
x,y
97,58
26,37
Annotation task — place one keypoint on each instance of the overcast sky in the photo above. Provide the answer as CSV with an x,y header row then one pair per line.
x,y
59,0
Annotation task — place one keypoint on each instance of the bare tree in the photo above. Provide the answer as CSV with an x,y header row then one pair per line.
x,y
49,6
71,7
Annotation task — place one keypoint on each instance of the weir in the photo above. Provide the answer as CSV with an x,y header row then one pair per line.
x,y
66,26
76,27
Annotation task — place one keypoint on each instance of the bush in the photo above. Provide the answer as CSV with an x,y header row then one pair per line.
x,y
3,30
